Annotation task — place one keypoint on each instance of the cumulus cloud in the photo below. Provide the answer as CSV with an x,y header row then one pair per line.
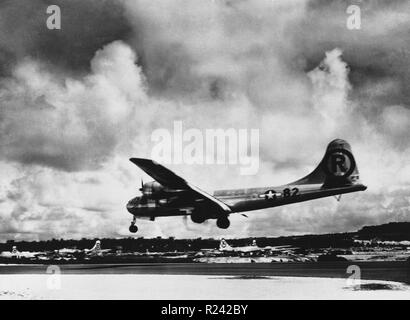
x,y
76,103
67,123
87,26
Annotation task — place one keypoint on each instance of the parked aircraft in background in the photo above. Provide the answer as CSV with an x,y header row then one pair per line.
x,y
15,254
96,249
225,247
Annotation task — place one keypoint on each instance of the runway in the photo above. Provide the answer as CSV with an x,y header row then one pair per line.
x,y
398,271
378,280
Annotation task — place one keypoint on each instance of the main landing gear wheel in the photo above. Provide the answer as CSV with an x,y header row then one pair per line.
x,y
223,223
197,218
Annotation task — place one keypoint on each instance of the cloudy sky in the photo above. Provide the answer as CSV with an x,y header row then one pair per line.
x,y
76,103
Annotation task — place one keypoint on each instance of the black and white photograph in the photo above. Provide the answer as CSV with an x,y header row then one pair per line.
x,y
206,150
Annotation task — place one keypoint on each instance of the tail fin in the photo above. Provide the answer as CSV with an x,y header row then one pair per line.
x,y
337,169
224,246
97,248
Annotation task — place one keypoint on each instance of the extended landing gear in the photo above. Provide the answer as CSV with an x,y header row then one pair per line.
x,y
197,218
223,223
133,228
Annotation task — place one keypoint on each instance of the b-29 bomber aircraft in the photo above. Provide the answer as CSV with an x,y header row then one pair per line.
x,y
171,195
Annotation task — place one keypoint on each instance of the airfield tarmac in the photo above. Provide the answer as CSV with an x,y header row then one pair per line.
x,y
379,280
378,270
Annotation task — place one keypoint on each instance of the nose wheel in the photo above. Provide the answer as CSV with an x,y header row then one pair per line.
x,y
133,228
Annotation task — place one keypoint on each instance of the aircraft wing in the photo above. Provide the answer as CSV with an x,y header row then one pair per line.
x,y
170,180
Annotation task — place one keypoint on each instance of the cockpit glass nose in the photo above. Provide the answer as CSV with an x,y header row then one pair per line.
x,y
143,200
138,200
134,201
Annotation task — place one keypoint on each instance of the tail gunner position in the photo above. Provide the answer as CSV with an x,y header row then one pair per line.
x,y
171,195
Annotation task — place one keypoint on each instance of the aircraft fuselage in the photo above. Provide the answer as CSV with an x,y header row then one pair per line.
x,y
239,200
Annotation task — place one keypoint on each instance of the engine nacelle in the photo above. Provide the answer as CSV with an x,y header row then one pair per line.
x,y
150,188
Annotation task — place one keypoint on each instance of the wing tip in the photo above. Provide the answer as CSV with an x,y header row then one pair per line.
x,y
138,161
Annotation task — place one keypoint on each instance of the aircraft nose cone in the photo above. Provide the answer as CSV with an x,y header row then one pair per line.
x,y
130,206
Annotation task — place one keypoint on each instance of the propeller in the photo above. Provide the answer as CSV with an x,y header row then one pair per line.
x,y
142,185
